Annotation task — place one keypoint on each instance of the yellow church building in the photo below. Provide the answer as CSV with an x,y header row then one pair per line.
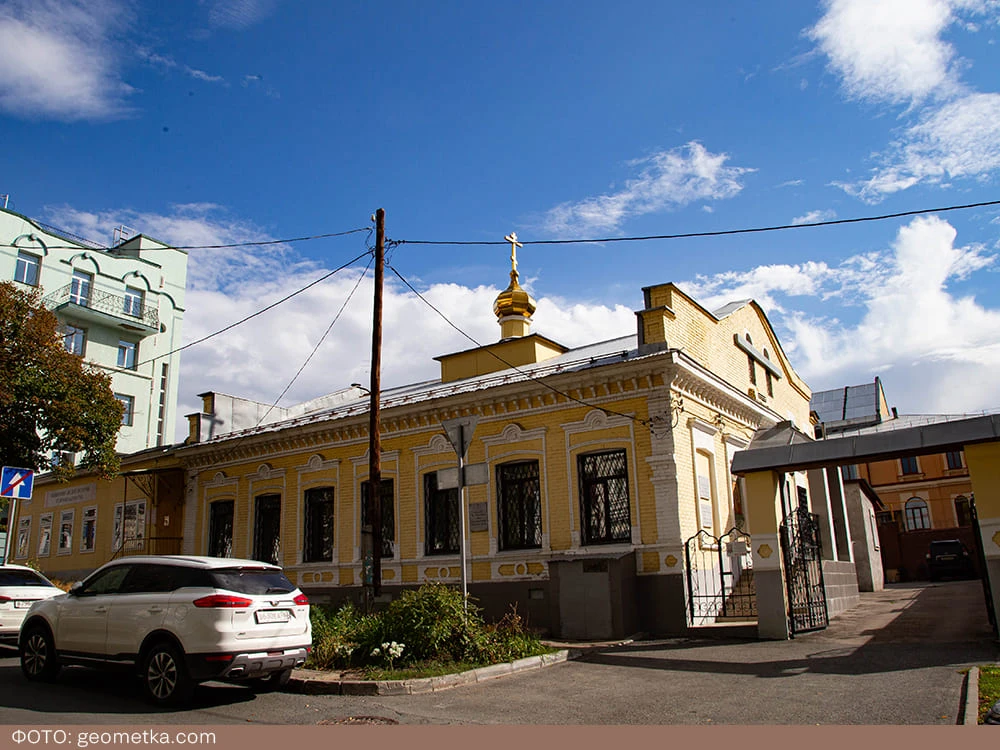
x,y
606,468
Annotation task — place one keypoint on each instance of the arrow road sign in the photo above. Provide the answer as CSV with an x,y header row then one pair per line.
x,y
16,482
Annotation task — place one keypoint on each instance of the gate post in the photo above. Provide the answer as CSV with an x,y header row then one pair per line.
x,y
983,460
763,516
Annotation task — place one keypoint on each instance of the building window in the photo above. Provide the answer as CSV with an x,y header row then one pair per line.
x,y
753,370
44,534
88,532
963,513
133,302
162,410
604,497
909,465
954,459
519,506
127,354
80,288
128,408
386,490
442,534
27,269
267,529
917,516
220,528
66,519
850,471
319,525
75,340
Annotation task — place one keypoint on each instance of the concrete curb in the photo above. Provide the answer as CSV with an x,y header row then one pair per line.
x,y
316,682
971,713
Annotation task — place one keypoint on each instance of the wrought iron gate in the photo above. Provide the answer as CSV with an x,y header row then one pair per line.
x,y
800,544
720,578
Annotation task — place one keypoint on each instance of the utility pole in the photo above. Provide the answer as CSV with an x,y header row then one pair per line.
x,y
374,436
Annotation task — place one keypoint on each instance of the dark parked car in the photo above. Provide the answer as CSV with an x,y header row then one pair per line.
x,y
948,557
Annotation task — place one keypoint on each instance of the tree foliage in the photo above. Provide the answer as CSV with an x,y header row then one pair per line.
x,y
50,400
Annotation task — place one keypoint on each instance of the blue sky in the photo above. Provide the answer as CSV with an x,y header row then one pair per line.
x,y
204,121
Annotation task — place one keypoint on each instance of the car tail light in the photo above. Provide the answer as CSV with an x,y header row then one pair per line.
x,y
5,599
301,599
223,600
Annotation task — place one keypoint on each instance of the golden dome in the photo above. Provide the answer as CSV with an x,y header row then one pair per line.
x,y
513,301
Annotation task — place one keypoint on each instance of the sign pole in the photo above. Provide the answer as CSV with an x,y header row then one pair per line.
x,y
11,509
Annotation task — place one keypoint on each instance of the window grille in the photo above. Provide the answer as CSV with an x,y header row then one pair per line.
x,y
386,490
519,509
220,529
604,497
319,525
267,529
441,528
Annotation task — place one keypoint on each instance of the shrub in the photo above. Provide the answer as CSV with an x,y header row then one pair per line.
x,y
432,622
425,626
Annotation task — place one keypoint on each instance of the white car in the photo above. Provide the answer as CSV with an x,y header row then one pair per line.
x,y
176,620
20,587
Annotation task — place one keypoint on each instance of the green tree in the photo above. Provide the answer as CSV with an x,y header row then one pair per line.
x,y
50,400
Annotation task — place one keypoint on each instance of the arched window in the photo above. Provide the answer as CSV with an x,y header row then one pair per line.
x,y
963,514
917,516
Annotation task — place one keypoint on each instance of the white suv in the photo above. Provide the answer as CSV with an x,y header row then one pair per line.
x,y
177,620
20,587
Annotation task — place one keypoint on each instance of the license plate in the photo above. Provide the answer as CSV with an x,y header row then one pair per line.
x,y
273,615
946,558
21,604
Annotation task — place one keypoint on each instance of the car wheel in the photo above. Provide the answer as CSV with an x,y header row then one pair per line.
x,y
164,675
273,681
38,654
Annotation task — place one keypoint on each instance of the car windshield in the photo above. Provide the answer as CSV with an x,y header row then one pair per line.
x,y
254,581
13,577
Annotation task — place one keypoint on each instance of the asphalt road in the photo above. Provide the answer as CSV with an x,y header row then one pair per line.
x,y
898,658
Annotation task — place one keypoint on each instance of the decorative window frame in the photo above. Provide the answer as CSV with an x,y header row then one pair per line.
x,y
596,426
325,473
507,447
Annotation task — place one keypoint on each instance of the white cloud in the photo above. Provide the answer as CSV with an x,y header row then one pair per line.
x,y
889,50
666,179
894,52
59,60
959,139
814,216
935,351
166,62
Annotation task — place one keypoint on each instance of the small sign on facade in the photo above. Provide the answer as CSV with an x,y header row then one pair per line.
x,y
479,519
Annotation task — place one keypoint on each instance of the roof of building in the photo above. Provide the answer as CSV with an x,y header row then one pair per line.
x,y
853,402
574,360
730,308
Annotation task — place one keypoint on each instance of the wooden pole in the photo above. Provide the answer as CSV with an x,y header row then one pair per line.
x,y
375,439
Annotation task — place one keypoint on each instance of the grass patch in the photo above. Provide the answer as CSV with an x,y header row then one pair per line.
x,y
989,689
425,632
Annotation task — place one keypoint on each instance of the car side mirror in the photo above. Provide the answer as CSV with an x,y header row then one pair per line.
x,y
75,589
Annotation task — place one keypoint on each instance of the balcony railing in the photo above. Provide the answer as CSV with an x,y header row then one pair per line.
x,y
126,309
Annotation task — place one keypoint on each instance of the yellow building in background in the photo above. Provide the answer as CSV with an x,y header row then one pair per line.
x,y
601,463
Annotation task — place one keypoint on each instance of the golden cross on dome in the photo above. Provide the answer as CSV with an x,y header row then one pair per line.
x,y
514,245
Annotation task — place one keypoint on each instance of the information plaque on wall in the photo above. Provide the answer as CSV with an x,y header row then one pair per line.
x,y
478,517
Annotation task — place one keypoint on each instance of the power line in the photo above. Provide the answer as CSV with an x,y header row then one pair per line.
x,y
529,376
263,310
258,243
718,233
318,343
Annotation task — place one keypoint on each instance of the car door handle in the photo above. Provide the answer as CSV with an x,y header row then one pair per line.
x,y
156,609
100,610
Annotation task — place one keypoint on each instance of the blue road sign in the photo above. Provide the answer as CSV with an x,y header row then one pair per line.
x,y
16,483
